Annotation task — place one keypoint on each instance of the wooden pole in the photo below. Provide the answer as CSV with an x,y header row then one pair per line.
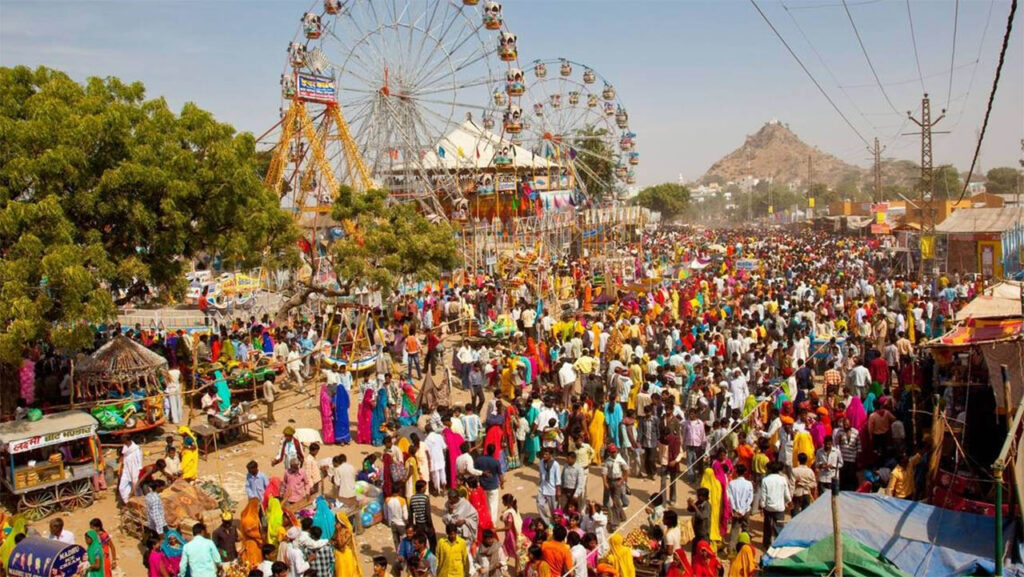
x,y
836,530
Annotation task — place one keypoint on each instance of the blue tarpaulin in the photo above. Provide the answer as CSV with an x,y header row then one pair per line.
x,y
920,539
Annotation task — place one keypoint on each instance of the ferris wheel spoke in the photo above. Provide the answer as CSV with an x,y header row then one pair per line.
x,y
470,60
423,63
417,61
473,83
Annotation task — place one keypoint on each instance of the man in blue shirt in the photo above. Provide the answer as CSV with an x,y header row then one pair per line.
x,y
550,485
255,481
406,548
199,557
492,479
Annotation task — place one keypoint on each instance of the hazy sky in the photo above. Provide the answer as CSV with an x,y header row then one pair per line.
x,y
697,77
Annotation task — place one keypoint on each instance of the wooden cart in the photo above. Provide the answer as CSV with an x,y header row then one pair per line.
x,y
48,465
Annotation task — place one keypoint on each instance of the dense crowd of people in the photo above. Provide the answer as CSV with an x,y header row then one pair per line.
x,y
759,370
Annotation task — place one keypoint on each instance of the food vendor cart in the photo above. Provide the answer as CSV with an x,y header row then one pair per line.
x,y
49,464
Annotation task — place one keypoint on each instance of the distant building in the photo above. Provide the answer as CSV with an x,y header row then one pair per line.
x,y
974,238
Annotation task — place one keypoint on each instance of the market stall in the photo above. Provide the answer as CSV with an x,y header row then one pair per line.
x,y
49,463
120,384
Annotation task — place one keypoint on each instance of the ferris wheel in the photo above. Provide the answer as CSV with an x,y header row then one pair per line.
x,y
574,117
397,93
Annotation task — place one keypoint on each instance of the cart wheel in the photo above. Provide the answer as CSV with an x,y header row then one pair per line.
x,y
75,495
38,504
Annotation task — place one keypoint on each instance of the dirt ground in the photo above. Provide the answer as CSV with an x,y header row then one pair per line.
x,y
227,468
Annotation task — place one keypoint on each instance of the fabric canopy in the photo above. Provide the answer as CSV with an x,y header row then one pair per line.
x,y
919,539
978,332
819,559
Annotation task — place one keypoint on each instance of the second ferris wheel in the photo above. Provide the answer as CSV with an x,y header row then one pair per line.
x,y
573,116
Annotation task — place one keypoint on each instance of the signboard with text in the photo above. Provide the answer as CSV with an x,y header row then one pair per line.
x,y
312,88
48,439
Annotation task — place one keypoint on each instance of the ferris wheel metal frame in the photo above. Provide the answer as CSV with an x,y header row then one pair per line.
x,y
399,78
563,97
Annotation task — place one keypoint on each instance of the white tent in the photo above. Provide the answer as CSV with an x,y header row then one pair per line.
x,y
469,147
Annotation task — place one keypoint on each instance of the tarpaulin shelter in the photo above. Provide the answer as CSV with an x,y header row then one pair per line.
x,y
1001,300
917,538
859,560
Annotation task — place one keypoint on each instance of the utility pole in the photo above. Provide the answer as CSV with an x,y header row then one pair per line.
x,y
876,153
925,197
810,181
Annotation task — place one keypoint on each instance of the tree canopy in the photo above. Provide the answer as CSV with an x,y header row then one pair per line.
x,y
1002,180
388,242
105,192
385,243
670,199
593,164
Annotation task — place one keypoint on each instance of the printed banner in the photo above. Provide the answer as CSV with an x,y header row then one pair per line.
x,y
313,88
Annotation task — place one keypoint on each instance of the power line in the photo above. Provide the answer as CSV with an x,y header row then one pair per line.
x,y
914,79
808,72
991,96
913,37
952,57
868,58
826,66
977,61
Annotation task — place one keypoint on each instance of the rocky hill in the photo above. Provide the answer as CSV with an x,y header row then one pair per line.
x,y
776,152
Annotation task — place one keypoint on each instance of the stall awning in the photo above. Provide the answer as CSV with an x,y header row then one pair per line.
x,y
21,436
979,332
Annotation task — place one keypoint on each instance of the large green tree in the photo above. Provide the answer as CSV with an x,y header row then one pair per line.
x,y
593,161
1002,180
670,199
103,192
385,243
946,182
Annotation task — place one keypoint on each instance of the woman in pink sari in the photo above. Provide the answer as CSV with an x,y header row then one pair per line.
x,y
364,423
453,440
724,470
856,413
326,416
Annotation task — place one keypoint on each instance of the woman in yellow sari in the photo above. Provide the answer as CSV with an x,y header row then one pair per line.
x,y
189,454
275,521
620,556
710,482
346,563
596,430
252,533
18,525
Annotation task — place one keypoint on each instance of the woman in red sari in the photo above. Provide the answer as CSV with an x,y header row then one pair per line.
x,y
478,499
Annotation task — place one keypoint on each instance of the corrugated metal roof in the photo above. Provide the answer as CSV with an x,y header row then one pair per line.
x,y
970,220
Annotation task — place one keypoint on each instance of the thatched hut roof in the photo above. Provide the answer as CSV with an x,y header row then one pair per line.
x,y
122,359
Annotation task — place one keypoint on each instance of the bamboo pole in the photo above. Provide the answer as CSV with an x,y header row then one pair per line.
x,y
836,530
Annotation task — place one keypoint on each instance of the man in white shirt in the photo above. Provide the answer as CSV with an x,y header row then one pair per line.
x,y
343,477
435,450
59,533
741,497
294,365
828,460
775,498
578,553
464,463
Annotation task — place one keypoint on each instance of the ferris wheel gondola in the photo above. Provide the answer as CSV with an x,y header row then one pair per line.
x,y
577,120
